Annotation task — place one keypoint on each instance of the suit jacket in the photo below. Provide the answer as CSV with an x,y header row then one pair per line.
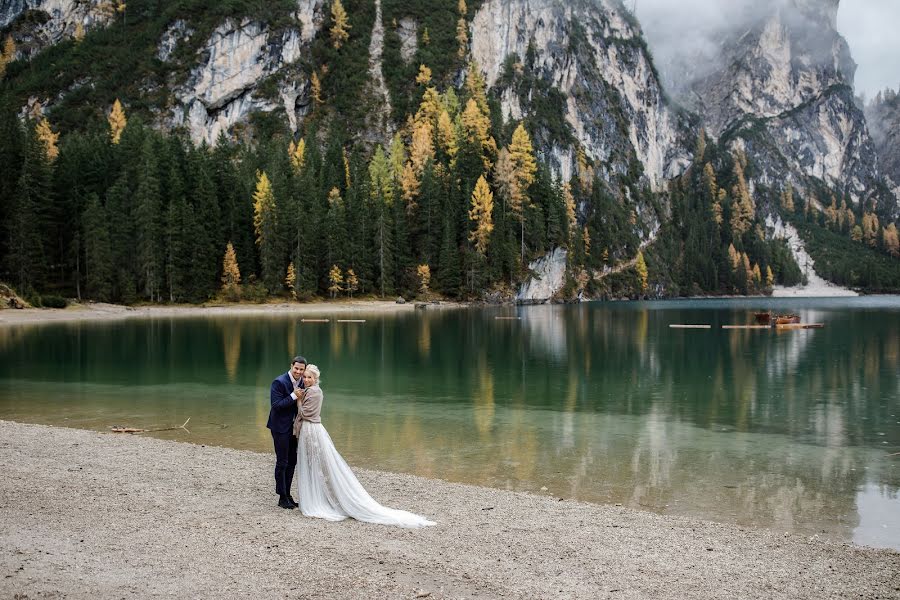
x,y
283,405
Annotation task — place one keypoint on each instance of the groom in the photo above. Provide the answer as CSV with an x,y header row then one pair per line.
x,y
283,397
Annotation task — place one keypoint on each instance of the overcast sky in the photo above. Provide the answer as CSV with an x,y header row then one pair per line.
x,y
871,28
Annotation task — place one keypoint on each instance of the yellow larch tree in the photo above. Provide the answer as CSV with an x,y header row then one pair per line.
x,y
117,122
263,205
870,227
481,213
447,135
7,55
891,242
643,274
787,199
424,76
409,183
770,277
79,32
462,38
290,280
421,147
340,25
346,158
476,128
571,217
423,272
297,154
336,279
742,210
231,274
315,89
477,88
48,139
521,155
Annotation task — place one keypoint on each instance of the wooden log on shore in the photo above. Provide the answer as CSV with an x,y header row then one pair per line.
x,y
508,318
680,326
314,320
351,320
746,327
800,325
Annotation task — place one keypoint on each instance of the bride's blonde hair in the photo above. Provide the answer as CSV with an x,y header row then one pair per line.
x,y
314,371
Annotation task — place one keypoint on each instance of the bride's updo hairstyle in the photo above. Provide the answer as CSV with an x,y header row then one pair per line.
x,y
314,371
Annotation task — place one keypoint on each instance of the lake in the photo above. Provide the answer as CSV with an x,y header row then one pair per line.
x,y
790,430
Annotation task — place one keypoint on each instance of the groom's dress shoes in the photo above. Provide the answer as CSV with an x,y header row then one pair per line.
x,y
292,501
284,502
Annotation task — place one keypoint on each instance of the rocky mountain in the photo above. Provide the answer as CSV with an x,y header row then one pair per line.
x,y
883,117
587,60
777,81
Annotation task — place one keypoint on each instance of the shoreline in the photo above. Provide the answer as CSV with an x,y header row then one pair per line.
x,y
89,514
98,311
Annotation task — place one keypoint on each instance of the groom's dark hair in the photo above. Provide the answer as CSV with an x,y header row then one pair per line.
x,y
299,359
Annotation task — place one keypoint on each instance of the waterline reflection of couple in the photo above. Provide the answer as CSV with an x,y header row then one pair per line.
x,y
327,487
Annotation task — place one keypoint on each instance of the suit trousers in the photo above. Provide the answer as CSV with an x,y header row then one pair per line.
x,y
285,461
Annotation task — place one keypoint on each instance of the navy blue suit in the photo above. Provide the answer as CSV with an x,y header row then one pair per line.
x,y
281,423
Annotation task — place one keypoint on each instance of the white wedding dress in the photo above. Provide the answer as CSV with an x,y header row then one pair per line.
x,y
328,488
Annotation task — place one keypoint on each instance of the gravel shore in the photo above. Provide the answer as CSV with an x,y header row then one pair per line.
x,y
96,515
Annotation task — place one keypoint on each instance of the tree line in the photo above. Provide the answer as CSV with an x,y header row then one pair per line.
x,y
457,203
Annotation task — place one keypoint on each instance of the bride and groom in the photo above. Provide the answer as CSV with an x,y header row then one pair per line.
x,y
327,488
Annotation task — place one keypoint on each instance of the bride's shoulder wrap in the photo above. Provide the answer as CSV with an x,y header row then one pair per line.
x,y
312,405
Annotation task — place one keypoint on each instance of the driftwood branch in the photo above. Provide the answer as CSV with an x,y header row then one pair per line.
x,y
136,430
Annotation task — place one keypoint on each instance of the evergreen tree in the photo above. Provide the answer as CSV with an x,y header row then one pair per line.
x,y
148,217
98,257
381,189
25,259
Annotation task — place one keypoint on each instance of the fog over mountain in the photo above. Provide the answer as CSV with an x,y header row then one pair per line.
x,y
686,37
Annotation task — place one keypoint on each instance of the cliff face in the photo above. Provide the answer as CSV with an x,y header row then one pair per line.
x,y
586,61
39,24
222,90
782,89
883,117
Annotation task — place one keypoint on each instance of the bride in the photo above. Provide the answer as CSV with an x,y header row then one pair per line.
x,y
328,488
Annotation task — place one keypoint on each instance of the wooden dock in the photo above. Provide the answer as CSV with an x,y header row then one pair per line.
x,y
746,327
508,318
351,320
800,326
680,326
314,320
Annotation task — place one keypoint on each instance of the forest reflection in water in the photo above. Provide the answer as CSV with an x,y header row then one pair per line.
x,y
598,402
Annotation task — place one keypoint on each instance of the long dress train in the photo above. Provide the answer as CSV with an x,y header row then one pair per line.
x,y
328,489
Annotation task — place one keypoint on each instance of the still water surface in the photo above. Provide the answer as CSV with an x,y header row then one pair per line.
x,y
602,402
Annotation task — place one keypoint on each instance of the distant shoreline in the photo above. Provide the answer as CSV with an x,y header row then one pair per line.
x,y
97,311
98,515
